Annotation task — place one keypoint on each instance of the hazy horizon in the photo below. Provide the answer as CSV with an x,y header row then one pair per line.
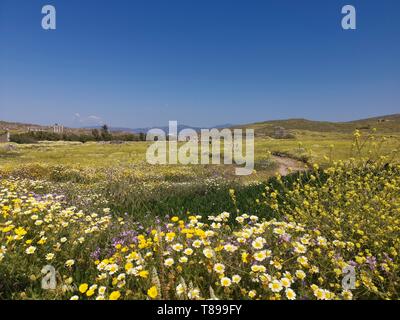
x,y
189,124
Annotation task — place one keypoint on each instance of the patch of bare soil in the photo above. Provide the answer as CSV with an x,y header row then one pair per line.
x,y
288,165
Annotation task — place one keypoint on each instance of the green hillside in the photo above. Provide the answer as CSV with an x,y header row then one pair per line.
x,y
384,124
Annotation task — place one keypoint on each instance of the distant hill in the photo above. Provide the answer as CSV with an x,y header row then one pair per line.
x,y
18,127
142,130
164,128
385,124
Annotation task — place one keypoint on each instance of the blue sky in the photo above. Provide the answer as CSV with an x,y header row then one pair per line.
x,y
202,62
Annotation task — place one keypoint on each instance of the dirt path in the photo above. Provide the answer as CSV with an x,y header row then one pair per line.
x,y
284,163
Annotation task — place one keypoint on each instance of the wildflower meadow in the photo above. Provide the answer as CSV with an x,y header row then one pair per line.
x,y
297,238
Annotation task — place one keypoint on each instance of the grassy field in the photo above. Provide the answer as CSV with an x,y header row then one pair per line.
x,y
313,146
115,227
120,171
308,146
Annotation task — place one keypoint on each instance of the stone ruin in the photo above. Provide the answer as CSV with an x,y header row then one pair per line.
x,y
5,137
58,128
55,129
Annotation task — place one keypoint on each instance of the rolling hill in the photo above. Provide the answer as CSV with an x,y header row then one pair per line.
x,y
384,124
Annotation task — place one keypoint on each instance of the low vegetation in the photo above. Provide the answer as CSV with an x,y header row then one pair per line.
x,y
94,135
114,227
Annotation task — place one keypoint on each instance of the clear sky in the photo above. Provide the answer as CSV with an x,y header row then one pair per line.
x,y
202,62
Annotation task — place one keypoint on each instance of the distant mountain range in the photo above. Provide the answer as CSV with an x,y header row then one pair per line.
x,y
164,128
384,124
23,127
